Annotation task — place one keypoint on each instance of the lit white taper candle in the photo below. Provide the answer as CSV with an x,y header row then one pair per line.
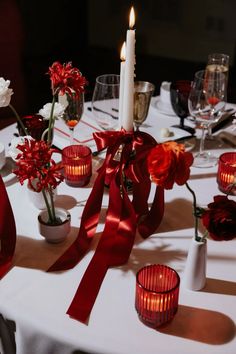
x,y
122,77
128,98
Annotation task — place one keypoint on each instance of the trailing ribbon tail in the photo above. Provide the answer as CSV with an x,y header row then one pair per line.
x,y
7,231
113,249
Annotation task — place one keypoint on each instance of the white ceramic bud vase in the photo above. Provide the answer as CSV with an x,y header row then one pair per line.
x,y
194,277
37,198
54,233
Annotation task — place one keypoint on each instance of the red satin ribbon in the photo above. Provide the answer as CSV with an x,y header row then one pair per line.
x,y
7,231
123,215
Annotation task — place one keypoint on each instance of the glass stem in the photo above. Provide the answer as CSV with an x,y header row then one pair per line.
x,y
71,136
202,141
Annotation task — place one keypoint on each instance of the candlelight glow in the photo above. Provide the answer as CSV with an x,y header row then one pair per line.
x,y
131,18
122,52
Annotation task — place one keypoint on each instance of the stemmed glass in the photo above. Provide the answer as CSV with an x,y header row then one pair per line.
x,y
218,62
143,92
206,104
179,92
73,112
105,101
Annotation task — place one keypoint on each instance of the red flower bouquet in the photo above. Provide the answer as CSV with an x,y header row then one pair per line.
x,y
35,163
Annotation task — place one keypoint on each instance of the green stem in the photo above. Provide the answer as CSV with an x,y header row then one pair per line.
x,y
50,214
52,204
18,119
197,238
51,121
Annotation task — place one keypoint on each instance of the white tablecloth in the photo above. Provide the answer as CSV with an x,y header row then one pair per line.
x,y
37,301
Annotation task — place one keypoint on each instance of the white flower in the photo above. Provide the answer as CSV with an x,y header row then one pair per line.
x,y
5,92
57,112
13,151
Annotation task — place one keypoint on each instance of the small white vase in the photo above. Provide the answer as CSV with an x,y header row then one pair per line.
x,y
37,198
194,277
54,233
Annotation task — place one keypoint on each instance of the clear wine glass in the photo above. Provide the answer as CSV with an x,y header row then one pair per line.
x,y
218,62
179,92
143,91
105,101
73,112
206,104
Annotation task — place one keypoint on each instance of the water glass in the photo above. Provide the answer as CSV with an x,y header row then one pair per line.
x,y
105,101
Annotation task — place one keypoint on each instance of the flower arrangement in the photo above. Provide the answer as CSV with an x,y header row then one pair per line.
x,y
35,164
34,157
64,79
169,163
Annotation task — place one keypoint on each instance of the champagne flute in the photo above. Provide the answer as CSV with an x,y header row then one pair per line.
x,y
218,62
73,112
143,92
206,104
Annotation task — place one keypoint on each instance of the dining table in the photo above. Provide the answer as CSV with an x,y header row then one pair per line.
x,y
34,302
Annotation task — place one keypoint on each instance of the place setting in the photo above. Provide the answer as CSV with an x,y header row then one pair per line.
x,y
126,159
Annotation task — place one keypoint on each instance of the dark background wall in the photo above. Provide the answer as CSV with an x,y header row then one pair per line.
x,y
173,39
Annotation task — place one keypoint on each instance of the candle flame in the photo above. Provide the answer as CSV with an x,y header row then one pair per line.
x,y
131,18
122,52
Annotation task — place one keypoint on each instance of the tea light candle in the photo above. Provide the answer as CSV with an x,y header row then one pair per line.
x,y
157,293
226,174
128,96
77,163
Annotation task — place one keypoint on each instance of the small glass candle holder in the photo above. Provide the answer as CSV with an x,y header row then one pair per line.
x,y
157,294
77,164
226,174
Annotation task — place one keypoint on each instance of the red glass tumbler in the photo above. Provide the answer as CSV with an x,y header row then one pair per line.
x,y
77,164
226,174
157,294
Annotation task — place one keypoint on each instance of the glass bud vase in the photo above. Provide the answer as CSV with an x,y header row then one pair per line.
x,y
194,277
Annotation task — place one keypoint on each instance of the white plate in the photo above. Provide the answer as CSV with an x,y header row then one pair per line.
x,y
176,134
6,171
162,107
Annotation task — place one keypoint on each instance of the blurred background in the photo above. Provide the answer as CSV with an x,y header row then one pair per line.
x,y
173,40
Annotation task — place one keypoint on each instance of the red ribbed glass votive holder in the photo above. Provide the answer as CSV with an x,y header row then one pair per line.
x,y
157,294
226,174
77,164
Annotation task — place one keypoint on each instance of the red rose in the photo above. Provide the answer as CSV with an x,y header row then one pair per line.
x,y
169,163
220,218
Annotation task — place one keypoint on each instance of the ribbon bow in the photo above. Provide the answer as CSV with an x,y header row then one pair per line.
x,y
125,160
